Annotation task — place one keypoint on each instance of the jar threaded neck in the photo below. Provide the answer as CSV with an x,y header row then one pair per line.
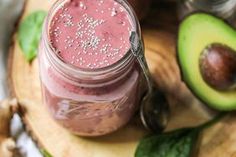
x,y
110,72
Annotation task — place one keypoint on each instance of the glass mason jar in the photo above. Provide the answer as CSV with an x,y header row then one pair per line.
x,y
89,102
222,8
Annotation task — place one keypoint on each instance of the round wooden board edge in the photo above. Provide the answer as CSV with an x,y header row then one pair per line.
x,y
10,83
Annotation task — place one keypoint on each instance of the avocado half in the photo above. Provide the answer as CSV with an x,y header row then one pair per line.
x,y
196,32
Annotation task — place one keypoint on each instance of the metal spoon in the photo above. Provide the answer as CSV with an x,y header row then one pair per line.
x,y
154,110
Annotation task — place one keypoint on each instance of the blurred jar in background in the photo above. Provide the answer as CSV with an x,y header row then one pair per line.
x,y
222,8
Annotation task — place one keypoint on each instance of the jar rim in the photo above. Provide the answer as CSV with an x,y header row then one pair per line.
x,y
60,64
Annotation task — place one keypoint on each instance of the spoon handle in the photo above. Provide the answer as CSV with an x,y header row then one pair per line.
x,y
137,49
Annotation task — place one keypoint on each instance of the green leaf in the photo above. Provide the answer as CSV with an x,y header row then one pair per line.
x,y
178,143
29,34
45,153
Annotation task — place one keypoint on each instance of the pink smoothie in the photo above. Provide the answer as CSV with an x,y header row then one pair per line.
x,y
91,34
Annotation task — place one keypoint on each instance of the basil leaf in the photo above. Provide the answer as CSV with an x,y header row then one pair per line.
x,y
45,153
29,34
178,143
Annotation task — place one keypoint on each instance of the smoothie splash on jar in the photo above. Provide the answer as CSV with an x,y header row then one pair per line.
x,y
90,80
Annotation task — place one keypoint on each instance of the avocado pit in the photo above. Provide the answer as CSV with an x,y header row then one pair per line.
x,y
218,66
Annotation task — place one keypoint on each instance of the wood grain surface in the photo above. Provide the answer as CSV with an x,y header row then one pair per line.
x,y
186,110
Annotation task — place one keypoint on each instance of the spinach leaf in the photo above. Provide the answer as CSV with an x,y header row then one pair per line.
x,y
178,143
29,34
173,144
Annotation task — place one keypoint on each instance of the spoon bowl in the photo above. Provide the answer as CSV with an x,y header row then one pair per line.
x,y
154,111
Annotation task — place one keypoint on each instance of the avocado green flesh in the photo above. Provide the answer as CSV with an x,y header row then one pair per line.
x,y
196,33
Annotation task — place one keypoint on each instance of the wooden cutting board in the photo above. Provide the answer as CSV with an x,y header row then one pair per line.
x,y
186,110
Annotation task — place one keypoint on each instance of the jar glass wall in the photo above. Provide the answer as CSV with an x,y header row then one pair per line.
x,y
89,102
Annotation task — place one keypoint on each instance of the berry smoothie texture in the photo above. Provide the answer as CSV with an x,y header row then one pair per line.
x,y
91,33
